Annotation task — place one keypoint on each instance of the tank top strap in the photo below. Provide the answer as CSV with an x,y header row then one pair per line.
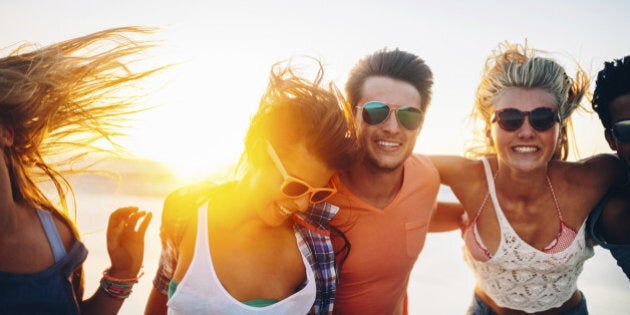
x,y
48,223
492,192
555,200
201,243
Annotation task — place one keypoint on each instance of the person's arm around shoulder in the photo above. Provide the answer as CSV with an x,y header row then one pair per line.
x,y
447,217
450,167
125,245
453,170
603,170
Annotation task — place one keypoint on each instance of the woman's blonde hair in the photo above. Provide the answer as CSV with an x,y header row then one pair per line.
x,y
61,99
58,101
514,65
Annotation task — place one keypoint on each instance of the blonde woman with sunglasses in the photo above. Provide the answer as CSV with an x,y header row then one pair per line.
x,y
249,246
55,103
525,239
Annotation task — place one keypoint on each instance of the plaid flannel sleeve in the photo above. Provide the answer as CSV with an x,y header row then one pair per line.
x,y
311,231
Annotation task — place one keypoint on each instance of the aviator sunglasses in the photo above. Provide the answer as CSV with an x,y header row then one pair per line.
x,y
375,113
621,131
511,119
293,187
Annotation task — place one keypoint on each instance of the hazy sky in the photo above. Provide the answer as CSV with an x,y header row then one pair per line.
x,y
227,48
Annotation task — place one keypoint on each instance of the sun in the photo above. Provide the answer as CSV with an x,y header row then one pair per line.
x,y
185,142
193,135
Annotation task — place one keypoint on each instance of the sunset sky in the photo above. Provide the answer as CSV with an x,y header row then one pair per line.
x,y
225,49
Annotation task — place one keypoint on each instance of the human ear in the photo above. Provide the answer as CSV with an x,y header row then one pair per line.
x,y
610,139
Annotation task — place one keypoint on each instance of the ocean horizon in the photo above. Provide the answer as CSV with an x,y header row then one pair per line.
x,y
440,283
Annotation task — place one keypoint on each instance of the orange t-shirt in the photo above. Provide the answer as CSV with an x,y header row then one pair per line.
x,y
385,242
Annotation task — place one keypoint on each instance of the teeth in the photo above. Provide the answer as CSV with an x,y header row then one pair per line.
x,y
388,144
525,149
284,211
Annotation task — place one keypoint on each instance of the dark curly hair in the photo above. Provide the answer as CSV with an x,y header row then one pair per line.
x,y
612,81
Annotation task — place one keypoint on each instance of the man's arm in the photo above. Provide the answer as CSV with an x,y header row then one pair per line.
x,y
448,216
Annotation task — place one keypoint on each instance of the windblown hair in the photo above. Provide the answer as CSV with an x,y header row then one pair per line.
x,y
296,110
513,65
59,100
395,64
612,81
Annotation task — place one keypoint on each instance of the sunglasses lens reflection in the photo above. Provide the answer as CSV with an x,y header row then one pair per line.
x,y
375,113
409,117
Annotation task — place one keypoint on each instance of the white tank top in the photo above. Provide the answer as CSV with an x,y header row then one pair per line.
x,y
201,292
522,277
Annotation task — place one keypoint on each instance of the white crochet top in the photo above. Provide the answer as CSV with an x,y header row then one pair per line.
x,y
521,277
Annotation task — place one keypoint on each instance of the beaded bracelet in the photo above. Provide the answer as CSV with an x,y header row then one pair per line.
x,y
116,290
116,287
119,280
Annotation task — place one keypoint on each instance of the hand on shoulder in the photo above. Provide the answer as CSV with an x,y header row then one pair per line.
x,y
185,199
600,170
180,205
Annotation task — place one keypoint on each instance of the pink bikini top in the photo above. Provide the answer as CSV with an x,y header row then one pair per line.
x,y
478,250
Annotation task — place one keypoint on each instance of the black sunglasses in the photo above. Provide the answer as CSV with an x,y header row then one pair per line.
x,y
621,131
541,118
375,113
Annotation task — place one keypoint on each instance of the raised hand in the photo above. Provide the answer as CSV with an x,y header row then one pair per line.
x,y
125,241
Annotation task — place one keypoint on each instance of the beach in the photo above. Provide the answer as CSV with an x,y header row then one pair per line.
x,y
440,282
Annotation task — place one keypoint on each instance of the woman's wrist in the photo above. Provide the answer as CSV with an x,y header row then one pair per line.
x,y
123,273
118,288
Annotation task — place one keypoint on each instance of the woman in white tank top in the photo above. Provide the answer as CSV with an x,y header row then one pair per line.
x,y
527,206
241,247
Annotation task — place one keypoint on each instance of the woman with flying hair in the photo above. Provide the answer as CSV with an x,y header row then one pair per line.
x,y
527,206
253,245
55,103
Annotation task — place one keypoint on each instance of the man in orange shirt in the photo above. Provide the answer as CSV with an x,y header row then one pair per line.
x,y
386,200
